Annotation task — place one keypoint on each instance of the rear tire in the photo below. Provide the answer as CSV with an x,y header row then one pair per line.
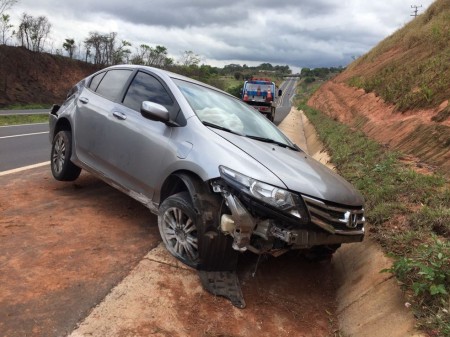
x,y
62,168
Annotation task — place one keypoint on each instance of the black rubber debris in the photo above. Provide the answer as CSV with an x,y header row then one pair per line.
x,y
223,283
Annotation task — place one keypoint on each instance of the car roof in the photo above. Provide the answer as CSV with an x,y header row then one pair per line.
x,y
165,74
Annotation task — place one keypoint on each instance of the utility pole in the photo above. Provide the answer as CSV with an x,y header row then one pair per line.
x,y
416,9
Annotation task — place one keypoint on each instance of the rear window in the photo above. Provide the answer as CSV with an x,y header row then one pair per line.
x,y
96,80
254,87
113,82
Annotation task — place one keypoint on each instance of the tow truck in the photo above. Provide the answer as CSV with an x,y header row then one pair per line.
x,y
260,93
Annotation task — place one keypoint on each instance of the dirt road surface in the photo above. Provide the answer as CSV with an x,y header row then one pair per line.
x,y
83,259
64,246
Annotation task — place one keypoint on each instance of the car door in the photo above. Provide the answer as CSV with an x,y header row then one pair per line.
x,y
94,119
138,145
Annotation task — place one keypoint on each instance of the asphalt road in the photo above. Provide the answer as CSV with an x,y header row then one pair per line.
x,y
24,145
284,103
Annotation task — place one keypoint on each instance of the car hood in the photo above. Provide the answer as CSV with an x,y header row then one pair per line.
x,y
298,171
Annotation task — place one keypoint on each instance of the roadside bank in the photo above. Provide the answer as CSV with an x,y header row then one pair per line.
x,y
370,303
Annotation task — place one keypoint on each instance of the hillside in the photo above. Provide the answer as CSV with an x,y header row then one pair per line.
x,y
28,77
398,92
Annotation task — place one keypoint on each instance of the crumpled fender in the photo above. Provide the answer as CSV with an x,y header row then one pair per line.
x,y
214,247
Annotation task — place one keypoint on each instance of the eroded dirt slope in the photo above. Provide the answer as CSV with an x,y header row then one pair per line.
x,y
412,132
28,77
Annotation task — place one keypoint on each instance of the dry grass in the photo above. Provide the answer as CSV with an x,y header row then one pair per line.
x,y
411,68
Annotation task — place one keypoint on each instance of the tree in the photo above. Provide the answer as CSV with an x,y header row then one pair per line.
x,y
189,58
283,69
40,30
6,4
155,57
25,30
33,31
141,55
122,53
265,66
94,42
97,45
69,46
5,27
104,49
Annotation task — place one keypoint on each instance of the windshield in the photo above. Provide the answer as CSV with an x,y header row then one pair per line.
x,y
215,108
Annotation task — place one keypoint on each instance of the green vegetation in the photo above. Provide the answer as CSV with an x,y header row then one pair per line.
x,y
408,214
414,71
310,75
26,106
408,211
23,119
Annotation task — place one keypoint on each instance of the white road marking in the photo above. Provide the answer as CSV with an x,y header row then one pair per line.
x,y
24,168
25,134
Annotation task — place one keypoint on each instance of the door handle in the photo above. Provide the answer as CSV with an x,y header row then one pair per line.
x,y
84,100
119,115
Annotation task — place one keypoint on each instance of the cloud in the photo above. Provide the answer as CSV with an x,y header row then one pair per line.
x,y
310,33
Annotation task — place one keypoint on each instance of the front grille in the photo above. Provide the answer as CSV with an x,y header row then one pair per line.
x,y
336,219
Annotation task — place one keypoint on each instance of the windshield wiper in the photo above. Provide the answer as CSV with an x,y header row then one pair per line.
x,y
215,126
272,141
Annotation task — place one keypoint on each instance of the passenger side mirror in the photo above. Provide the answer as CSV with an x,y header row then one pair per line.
x,y
155,112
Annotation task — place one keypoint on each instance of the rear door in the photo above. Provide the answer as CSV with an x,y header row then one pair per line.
x,y
94,119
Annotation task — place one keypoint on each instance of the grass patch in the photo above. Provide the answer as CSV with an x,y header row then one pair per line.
x,y
413,70
408,213
23,119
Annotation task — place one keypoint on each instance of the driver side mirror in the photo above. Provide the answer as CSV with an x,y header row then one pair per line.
x,y
156,112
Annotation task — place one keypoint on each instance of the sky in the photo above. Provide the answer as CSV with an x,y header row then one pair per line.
x,y
298,33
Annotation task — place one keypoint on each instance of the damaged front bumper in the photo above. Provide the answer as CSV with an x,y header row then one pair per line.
x,y
261,229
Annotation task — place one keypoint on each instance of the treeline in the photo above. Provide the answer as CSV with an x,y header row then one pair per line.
x,y
311,75
243,72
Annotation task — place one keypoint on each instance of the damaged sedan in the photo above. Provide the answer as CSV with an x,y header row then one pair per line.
x,y
221,178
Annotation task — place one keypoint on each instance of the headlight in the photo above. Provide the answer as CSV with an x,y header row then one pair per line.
x,y
276,197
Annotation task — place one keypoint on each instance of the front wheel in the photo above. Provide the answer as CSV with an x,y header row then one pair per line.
x,y
62,168
178,228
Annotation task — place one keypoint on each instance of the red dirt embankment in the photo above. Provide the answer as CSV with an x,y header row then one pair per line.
x,y
411,132
30,77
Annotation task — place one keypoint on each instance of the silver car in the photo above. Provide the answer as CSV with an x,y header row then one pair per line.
x,y
221,178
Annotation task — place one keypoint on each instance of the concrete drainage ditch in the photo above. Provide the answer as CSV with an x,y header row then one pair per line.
x,y
370,303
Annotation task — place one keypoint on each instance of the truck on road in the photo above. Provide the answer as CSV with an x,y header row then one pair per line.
x,y
261,94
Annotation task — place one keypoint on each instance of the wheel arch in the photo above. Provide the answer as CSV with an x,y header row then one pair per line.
x,y
62,124
182,181
215,249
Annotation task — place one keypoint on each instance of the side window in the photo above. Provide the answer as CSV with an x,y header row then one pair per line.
x,y
113,82
145,87
96,80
